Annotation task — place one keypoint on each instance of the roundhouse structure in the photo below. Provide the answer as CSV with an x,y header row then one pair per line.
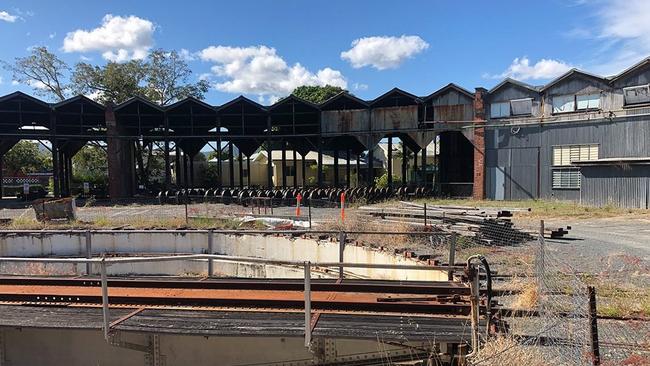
x,y
344,126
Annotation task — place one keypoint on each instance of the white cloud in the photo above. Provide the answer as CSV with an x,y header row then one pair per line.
x,y
118,38
15,82
186,55
360,86
8,17
261,71
52,35
544,69
624,29
383,52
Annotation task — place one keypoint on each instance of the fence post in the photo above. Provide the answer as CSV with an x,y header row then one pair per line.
x,y
452,255
89,252
210,251
105,314
593,326
307,289
342,236
542,253
186,215
425,214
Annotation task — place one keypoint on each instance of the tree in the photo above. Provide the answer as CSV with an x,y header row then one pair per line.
x,y
168,79
111,83
317,94
25,157
90,165
43,71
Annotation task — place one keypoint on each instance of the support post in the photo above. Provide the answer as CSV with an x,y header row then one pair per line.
x,y
347,169
284,164
371,173
593,327
404,163
307,291
248,170
342,237
309,211
168,173
105,314
89,252
191,171
415,167
210,251
295,168
177,164
336,167
452,255
358,170
219,162
424,167
425,214
241,169
304,170
269,163
320,163
231,167
390,163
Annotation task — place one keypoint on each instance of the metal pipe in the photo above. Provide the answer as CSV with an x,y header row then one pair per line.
x,y
341,251
225,258
307,304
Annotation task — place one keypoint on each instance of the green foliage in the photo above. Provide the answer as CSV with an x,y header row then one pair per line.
x,y
317,94
382,182
25,157
41,70
90,165
211,175
113,82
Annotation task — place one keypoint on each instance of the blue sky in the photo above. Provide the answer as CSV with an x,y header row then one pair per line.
x,y
263,49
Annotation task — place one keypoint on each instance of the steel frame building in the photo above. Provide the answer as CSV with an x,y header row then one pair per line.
x,y
344,125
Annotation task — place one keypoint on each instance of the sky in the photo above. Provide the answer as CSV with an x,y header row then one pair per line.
x,y
264,49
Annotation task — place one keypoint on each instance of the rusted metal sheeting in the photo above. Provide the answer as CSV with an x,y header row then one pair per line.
x,y
353,120
394,118
624,186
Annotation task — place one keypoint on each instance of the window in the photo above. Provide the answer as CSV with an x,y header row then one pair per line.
x,y
521,107
500,110
637,94
588,101
566,179
567,154
563,103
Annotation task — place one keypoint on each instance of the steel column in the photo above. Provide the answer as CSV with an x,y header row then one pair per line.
x,y
424,166
404,162
347,169
371,173
231,166
105,314
336,167
320,163
284,164
295,168
390,163
241,169
89,252
210,251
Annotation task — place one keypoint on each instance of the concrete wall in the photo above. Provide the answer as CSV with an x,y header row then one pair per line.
x,y
268,246
33,346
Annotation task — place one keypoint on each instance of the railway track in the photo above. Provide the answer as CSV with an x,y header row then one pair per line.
x,y
386,297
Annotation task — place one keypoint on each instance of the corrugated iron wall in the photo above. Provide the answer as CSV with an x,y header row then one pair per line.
x,y
623,186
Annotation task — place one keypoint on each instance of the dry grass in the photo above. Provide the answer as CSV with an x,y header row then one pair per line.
x,y
528,298
544,209
505,351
